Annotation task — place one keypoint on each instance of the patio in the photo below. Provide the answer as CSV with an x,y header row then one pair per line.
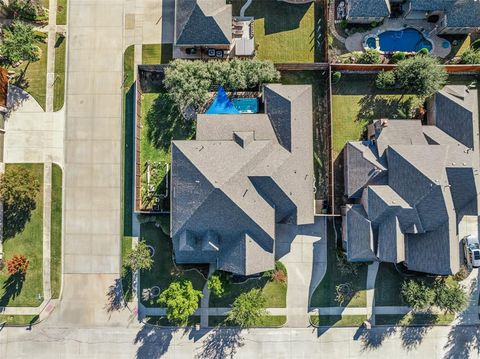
x,y
355,41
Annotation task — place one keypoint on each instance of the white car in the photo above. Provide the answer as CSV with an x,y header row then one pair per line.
x,y
472,250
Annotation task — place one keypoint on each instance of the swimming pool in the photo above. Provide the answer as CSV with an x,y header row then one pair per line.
x,y
407,40
246,105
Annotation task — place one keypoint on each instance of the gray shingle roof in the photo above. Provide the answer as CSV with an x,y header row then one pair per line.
x,y
432,184
460,13
368,8
203,22
360,239
236,181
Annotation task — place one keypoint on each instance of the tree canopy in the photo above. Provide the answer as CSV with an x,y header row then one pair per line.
x,y
139,258
417,294
248,308
19,43
181,300
470,57
421,75
450,296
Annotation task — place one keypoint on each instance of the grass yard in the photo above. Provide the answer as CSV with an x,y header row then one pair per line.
x,y
32,77
318,81
128,67
414,319
62,12
161,123
324,294
388,284
28,242
127,273
274,292
153,54
18,319
337,320
163,271
268,321
59,84
56,232
285,32
164,322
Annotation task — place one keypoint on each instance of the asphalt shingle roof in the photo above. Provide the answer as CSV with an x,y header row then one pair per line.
x,y
368,8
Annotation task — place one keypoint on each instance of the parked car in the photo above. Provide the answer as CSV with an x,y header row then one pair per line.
x,y
472,250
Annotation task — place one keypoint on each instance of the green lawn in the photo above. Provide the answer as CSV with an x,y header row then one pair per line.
x,y
128,64
29,242
59,84
32,77
338,320
163,271
62,12
126,273
56,232
274,292
414,319
153,54
18,319
128,160
268,321
164,322
285,32
324,294
161,123
318,81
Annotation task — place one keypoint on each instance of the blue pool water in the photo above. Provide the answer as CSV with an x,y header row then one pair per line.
x,y
408,40
246,105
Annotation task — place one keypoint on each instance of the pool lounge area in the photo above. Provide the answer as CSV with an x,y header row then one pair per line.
x,y
223,105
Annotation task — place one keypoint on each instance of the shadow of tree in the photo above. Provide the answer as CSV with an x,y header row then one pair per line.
x,y
375,107
16,96
16,217
413,336
372,339
220,344
12,288
165,123
153,342
462,340
115,300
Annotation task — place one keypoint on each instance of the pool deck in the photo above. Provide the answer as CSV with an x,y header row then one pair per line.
x,y
355,42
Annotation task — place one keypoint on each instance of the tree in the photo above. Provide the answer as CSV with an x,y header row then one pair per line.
x,y
19,43
385,79
370,56
248,309
215,284
417,294
450,296
18,264
18,191
28,9
470,57
139,258
421,75
181,300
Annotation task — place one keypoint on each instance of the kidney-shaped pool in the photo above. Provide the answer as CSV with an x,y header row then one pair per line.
x,y
408,40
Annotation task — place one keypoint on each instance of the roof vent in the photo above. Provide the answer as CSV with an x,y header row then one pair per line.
x,y
243,139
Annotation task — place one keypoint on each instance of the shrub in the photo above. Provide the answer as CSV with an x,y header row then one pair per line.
x,y
181,300
450,296
344,293
343,24
370,56
475,45
336,76
344,266
279,274
461,274
385,79
215,284
18,264
417,294
423,51
398,56
470,57
248,309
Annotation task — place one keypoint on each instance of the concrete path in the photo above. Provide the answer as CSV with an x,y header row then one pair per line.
x,y
371,276
32,135
303,251
92,207
204,310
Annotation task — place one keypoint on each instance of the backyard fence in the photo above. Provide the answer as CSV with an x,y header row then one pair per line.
x,y
372,68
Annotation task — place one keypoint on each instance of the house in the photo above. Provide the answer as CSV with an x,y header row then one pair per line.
x,y
449,16
240,177
410,186
206,28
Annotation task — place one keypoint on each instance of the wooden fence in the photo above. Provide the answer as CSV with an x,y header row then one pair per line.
x,y
389,67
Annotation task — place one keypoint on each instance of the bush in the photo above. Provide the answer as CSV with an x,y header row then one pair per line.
x,y
344,293
470,57
343,24
475,45
279,274
385,79
181,300
248,309
215,284
423,52
417,294
344,266
461,274
398,56
370,56
336,76
18,265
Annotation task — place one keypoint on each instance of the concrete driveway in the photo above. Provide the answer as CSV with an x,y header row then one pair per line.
x,y
303,250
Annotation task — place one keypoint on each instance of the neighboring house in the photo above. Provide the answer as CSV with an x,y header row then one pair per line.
x,y
206,28
367,11
410,186
450,16
243,175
